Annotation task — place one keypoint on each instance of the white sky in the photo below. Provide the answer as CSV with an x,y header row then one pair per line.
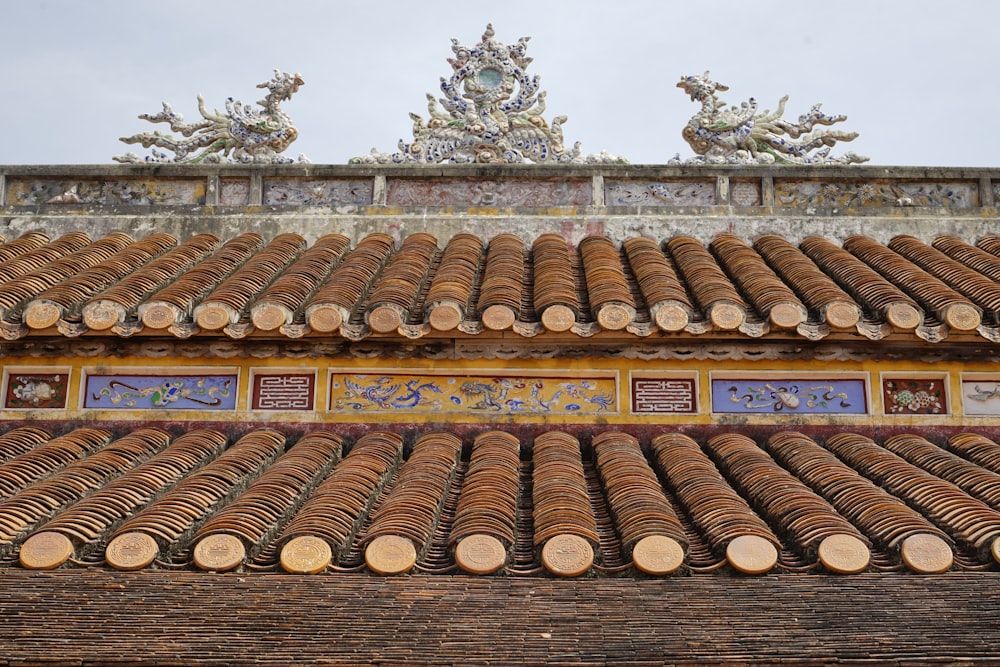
x,y
916,78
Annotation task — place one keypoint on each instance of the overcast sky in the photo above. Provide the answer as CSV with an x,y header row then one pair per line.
x,y
916,78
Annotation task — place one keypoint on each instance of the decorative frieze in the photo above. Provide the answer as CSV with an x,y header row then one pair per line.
x,y
857,194
142,391
318,193
813,394
664,395
124,192
660,193
914,395
24,389
283,391
981,394
508,193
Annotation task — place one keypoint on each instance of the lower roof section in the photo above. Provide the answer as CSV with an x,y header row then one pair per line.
x,y
95,617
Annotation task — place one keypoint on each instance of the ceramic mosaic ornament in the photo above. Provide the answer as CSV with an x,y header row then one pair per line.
x,y
491,112
36,390
789,396
741,135
167,392
241,134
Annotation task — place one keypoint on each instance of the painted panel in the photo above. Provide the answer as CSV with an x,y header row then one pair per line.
x,y
119,193
473,394
35,390
318,193
745,193
914,396
874,193
652,395
235,193
665,193
160,392
493,194
283,391
790,395
981,397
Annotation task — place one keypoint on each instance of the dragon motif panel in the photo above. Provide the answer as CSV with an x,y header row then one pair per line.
x,y
473,394
492,194
107,193
660,193
122,391
790,395
874,193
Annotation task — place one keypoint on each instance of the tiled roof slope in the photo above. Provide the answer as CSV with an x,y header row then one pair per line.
x,y
422,286
723,500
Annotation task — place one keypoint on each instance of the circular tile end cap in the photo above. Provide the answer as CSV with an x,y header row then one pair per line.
x,y
390,554
268,317
158,316
384,319
306,555
658,555
131,551
498,318
101,315
212,317
786,315
567,555
42,314
219,553
751,554
903,316
926,554
844,554
614,317
672,317
842,315
445,317
995,550
325,319
727,316
963,317
45,551
558,318
480,554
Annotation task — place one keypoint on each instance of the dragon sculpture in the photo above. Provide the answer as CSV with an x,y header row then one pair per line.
x,y
741,135
490,112
242,134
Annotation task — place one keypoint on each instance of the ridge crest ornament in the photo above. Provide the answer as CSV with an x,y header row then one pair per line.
x,y
740,135
491,112
241,134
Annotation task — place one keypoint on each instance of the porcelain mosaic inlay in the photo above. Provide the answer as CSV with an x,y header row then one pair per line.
x,y
798,395
492,194
914,396
664,396
675,193
160,392
981,397
106,193
875,193
242,133
318,193
472,394
741,135
491,111
285,391
36,390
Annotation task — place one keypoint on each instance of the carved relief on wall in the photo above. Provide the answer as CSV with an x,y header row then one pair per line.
x,y
874,193
473,394
106,193
492,194
160,392
318,193
668,193
813,394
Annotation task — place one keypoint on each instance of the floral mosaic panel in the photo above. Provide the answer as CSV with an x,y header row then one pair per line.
x,y
107,193
666,193
318,193
283,391
914,396
874,193
664,395
160,392
981,397
36,390
493,194
790,395
472,394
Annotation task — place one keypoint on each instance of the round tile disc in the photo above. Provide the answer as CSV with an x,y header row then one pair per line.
x,y
558,318
306,555
658,555
751,554
480,554
219,553
100,316
613,317
842,315
567,555
45,551
212,318
672,318
268,317
963,317
844,554
925,553
390,554
903,316
131,551
786,316
384,319
726,316
41,315
158,316
445,317
995,550
325,319
498,318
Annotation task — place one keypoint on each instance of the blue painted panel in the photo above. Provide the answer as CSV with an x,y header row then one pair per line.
x,y
798,396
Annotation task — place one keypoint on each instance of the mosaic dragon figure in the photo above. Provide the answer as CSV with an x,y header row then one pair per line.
x,y
241,134
490,112
741,135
